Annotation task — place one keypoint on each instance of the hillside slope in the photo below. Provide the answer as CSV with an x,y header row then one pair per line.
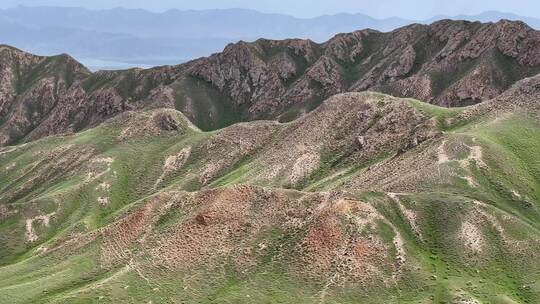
x,y
448,63
368,197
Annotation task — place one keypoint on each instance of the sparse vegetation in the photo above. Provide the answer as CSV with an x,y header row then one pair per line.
x,y
115,237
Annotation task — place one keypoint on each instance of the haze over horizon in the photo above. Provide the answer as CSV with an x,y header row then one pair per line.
x,y
417,9
164,32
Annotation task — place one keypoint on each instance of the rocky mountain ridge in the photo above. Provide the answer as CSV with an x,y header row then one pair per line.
x,y
449,63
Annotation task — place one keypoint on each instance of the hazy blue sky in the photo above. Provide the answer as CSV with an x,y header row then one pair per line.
x,y
415,9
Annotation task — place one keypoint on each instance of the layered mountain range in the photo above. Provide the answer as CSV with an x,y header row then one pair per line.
x,y
120,37
398,167
448,63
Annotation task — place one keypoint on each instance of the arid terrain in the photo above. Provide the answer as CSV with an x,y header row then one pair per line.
x,y
399,167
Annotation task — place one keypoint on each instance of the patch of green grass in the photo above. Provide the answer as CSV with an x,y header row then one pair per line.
x,y
234,176
510,148
441,114
332,175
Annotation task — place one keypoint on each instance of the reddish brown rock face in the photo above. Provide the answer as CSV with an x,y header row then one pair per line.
x,y
449,63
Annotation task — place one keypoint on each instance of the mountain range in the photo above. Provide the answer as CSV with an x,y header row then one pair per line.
x,y
447,63
375,167
117,38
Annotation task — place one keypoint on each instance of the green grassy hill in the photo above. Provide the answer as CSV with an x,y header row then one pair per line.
x,y
367,199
